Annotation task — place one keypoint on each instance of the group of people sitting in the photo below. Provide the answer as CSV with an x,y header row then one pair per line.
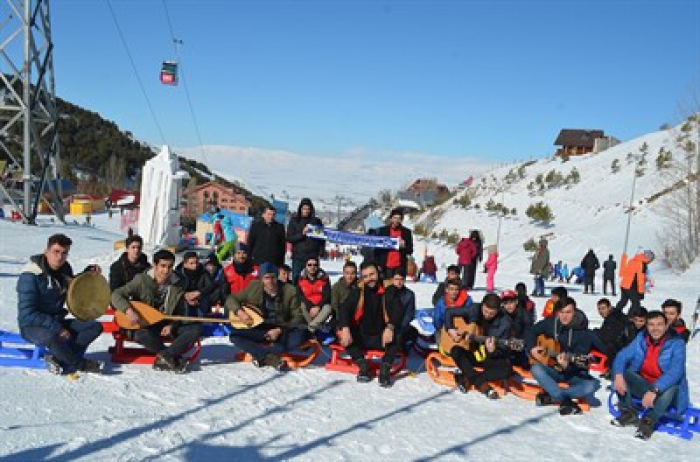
x,y
372,311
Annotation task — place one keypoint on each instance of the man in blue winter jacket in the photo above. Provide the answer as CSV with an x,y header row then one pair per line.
x,y
651,368
41,295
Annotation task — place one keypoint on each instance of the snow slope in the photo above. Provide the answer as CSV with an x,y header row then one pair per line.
x,y
233,411
588,215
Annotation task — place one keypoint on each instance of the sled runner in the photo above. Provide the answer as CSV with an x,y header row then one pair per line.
x,y
341,362
299,357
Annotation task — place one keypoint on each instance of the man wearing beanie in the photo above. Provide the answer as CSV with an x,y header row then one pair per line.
x,y
283,328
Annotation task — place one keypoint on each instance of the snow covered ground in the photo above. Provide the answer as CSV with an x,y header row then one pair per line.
x,y
232,411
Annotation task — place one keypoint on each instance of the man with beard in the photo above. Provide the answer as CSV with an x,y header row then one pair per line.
x,y
391,260
240,272
368,320
198,284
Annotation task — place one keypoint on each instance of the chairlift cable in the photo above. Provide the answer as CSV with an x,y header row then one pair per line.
x,y
136,73
177,43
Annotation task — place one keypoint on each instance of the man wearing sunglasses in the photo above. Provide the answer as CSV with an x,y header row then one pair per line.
x,y
314,292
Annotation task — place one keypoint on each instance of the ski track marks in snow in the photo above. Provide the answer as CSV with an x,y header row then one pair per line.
x,y
234,411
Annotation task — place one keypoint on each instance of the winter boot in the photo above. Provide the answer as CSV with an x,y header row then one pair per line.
x,y
385,375
568,406
91,366
488,391
52,365
461,382
543,399
628,418
275,362
646,428
165,363
363,375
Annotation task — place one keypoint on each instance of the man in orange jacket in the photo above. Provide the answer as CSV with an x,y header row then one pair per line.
x,y
632,279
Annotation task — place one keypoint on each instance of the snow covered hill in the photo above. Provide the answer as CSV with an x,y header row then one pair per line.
x,y
589,214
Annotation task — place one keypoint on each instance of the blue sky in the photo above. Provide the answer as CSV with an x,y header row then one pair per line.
x,y
489,79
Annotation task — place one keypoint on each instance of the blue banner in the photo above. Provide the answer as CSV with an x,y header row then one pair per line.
x,y
347,238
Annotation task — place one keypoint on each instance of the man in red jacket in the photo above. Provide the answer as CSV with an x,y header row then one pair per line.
x,y
240,272
314,292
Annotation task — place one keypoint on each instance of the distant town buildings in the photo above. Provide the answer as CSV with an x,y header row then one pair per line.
x,y
202,198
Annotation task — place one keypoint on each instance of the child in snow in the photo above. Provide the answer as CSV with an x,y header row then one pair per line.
x,y
491,266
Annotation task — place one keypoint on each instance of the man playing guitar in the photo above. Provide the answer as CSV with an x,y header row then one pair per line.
x,y
565,359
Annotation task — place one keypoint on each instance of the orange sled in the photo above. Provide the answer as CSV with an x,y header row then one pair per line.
x,y
441,370
302,356
526,388
341,362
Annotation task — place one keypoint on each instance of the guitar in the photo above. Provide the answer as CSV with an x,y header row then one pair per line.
x,y
552,349
475,335
149,316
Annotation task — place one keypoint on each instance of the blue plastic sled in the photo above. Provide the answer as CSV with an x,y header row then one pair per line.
x,y
20,353
683,426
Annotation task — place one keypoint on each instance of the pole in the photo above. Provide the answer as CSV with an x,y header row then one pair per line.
x,y
27,127
500,218
629,212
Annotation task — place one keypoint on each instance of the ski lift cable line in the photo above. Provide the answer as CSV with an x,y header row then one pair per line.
x,y
136,73
177,43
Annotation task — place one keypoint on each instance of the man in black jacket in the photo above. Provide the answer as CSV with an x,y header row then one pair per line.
x,y
368,320
521,322
609,267
406,333
266,239
590,265
391,260
493,359
303,247
198,284
132,262
616,331
568,328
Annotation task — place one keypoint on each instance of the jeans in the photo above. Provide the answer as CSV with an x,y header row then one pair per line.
x,y
637,386
68,352
183,335
469,274
539,286
589,283
549,379
253,340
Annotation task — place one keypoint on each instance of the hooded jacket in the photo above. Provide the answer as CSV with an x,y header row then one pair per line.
x,y
609,267
238,275
633,272
316,291
123,271
464,300
41,295
574,338
590,263
540,262
466,251
304,247
498,327
615,332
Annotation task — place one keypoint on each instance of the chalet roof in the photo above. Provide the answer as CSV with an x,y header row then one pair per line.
x,y
578,138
